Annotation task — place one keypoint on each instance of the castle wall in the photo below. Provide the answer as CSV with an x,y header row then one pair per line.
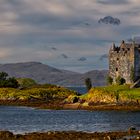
x,y
121,61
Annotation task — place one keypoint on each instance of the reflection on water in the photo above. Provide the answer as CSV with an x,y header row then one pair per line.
x,y
22,119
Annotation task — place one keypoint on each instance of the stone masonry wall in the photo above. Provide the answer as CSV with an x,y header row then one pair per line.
x,y
121,62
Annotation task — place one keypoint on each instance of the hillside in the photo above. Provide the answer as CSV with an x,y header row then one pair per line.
x,y
42,73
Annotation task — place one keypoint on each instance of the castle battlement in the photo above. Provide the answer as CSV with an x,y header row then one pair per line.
x,y
124,61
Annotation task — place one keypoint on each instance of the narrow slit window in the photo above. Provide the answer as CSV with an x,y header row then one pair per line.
x,y
116,69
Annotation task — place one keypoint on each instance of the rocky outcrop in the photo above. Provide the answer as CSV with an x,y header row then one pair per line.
x,y
71,135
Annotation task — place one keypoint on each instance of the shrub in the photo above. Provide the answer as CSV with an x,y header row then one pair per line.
x,y
26,82
88,83
109,80
7,82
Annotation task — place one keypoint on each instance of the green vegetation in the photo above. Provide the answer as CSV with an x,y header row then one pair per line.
x,y
29,89
38,92
114,93
109,80
5,81
88,83
26,82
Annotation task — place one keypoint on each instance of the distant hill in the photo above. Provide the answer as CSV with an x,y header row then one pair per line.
x,y
42,73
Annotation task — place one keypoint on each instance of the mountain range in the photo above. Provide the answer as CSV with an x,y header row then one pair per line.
x,y
43,73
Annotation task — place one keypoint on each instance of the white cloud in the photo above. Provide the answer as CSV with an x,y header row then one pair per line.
x,y
71,26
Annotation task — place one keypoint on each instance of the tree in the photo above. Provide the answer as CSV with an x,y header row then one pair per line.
x,y
88,83
26,82
3,76
6,81
12,82
109,80
120,80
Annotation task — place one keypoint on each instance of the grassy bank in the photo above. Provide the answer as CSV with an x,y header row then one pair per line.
x,y
40,96
36,92
108,98
110,94
53,97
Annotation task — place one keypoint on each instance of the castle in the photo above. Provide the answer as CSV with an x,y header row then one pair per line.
x,y
124,62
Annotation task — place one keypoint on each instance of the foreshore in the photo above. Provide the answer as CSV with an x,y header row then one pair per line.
x,y
72,135
59,105
132,133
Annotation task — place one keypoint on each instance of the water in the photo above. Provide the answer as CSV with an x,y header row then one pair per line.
x,y
22,119
81,90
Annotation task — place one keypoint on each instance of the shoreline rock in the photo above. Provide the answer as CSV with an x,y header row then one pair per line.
x,y
59,105
70,135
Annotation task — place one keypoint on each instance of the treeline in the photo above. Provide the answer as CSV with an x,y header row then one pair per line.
x,y
12,82
22,83
6,81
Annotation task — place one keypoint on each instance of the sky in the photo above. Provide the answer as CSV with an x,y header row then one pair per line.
x,y
67,34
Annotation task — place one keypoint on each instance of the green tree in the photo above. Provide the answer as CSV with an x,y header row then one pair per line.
x,y
3,76
109,80
6,81
26,82
12,82
88,83
120,80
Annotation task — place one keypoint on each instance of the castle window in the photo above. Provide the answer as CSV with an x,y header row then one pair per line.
x,y
117,59
116,69
128,49
123,49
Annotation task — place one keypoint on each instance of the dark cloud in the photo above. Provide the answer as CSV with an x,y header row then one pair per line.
x,y
82,59
64,56
104,56
112,2
110,20
87,24
53,48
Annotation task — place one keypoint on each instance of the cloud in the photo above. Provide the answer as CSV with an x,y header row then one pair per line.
x,y
30,28
82,59
64,56
104,56
54,48
109,20
113,2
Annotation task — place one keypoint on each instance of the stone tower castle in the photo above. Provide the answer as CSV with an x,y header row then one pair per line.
x,y
124,61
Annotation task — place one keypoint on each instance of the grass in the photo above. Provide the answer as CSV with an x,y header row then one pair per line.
x,y
112,93
39,92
